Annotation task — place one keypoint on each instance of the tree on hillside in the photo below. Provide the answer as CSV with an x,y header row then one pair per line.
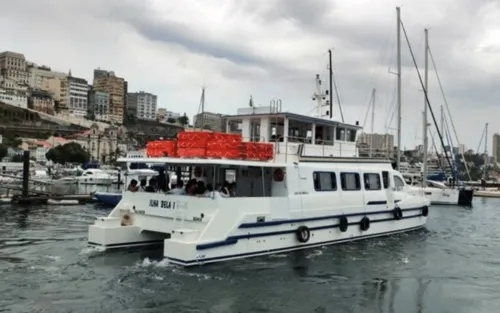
x,y
12,142
70,152
183,120
3,151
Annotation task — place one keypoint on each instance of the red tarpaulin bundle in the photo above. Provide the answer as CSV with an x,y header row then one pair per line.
x,y
259,151
161,148
210,144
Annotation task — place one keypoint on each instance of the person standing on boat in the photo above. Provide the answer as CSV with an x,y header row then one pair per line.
x,y
162,180
198,174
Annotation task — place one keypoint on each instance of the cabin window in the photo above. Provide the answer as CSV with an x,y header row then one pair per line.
x,y
340,134
351,135
324,181
350,181
399,184
372,181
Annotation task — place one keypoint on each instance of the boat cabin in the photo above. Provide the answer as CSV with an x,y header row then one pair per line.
x,y
318,137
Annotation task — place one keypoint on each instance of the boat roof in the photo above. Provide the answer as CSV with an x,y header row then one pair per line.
x,y
296,117
189,161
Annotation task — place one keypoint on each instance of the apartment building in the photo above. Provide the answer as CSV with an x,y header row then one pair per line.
x,y
77,96
142,105
163,115
39,77
380,145
115,87
98,105
41,101
14,98
210,121
496,148
13,72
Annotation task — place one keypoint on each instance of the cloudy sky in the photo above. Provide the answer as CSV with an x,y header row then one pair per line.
x,y
272,49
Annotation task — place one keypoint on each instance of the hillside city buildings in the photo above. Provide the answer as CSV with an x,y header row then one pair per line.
x,y
25,84
107,102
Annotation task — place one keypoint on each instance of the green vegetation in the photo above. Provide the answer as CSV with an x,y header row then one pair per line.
x,y
70,152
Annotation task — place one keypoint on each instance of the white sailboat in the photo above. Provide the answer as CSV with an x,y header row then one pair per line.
x,y
436,192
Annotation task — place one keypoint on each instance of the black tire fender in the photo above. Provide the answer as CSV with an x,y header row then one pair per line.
x,y
425,211
303,234
364,224
397,213
343,223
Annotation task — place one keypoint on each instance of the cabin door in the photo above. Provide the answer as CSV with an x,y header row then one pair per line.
x,y
281,203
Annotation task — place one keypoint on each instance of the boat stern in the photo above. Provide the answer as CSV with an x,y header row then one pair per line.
x,y
119,232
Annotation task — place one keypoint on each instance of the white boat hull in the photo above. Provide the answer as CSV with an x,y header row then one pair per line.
x,y
447,196
195,240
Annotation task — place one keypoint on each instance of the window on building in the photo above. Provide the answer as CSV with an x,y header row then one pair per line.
x,y
372,181
350,181
324,181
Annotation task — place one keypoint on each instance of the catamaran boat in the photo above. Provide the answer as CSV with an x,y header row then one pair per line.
x,y
313,191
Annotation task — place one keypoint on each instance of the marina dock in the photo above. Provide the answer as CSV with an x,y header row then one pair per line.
x,y
33,191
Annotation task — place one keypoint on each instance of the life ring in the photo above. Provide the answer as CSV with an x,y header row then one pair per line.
x,y
278,175
343,223
397,213
303,234
364,224
425,211
126,220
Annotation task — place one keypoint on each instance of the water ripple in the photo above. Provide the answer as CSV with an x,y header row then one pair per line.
x,y
452,266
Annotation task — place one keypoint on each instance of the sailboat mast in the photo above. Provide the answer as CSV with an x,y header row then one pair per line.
x,y
426,92
486,158
373,121
330,81
398,152
374,91
442,127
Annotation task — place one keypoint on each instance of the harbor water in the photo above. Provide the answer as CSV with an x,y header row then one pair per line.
x,y
451,266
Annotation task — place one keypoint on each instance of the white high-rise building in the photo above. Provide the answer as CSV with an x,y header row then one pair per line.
x,y
142,105
78,90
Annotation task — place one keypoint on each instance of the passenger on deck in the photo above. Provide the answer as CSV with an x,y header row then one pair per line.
x,y
144,182
133,186
218,190
224,190
200,188
153,185
191,187
232,189
162,180
178,190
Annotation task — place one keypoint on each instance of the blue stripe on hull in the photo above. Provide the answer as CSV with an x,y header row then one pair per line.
x,y
231,240
318,218
287,249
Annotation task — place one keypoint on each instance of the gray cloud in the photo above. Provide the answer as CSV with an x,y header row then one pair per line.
x,y
363,37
